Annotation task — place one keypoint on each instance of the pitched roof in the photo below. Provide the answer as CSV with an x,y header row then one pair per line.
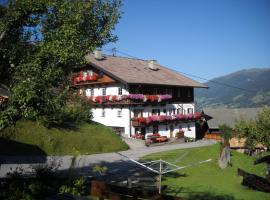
x,y
136,71
229,116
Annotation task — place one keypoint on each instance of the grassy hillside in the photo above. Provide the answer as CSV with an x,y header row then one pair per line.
x,y
255,81
208,181
30,138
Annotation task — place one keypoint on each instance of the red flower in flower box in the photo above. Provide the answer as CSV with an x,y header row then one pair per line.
x,y
107,97
197,115
91,78
162,118
99,99
152,98
142,120
114,98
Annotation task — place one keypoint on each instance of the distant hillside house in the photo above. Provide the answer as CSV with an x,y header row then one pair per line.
x,y
229,116
137,96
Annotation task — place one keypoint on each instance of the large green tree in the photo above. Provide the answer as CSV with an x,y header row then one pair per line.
x,y
40,42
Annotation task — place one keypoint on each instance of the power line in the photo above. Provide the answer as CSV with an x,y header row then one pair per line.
x,y
187,74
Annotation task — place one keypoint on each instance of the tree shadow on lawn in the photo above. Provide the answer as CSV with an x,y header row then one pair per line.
x,y
121,171
13,152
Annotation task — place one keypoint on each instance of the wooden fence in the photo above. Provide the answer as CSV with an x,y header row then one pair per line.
x,y
107,191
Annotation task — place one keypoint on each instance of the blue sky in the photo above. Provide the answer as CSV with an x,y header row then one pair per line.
x,y
208,38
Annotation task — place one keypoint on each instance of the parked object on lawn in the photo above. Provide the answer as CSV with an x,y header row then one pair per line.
x,y
253,181
265,159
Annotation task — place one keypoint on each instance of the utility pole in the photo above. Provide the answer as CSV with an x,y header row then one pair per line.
x,y
160,176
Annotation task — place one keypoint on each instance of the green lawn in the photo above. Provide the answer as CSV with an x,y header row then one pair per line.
x,y
208,181
30,138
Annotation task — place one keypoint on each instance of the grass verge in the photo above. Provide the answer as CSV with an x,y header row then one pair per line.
x,y
31,138
208,181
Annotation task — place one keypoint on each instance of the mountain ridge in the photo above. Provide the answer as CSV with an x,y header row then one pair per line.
x,y
240,89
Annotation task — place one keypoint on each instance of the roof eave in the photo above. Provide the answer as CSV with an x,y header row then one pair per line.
x,y
176,85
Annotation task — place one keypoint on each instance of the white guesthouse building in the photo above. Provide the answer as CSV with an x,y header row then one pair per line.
x,y
137,96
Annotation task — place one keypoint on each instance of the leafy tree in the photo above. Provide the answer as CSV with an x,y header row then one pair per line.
x,y
263,126
40,42
226,132
255,131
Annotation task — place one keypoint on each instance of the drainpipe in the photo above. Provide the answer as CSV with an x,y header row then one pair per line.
x,y
129,121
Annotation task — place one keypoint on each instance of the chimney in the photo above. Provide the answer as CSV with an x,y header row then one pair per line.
x,y
152,64
98,55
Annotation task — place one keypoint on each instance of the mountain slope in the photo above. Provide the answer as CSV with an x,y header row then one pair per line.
x,y
256,83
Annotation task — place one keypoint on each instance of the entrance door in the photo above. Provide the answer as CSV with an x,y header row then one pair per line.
x,y
171,131
155,129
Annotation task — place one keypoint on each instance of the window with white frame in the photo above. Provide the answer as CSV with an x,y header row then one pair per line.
x,y
119,113
138,112
156,112
190,110
120,91
103,91
103,112
88,92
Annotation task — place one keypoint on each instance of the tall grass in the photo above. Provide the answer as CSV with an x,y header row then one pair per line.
x,y
86,139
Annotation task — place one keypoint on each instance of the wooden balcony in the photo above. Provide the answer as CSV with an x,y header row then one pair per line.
x,y
91,80
116,103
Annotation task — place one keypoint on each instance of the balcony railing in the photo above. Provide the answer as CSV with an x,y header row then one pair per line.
x,y
83,79
145,121
130,98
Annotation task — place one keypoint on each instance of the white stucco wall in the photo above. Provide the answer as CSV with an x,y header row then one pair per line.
x,y
112,119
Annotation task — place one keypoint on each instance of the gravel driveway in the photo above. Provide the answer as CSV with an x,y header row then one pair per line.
x,y
82,164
